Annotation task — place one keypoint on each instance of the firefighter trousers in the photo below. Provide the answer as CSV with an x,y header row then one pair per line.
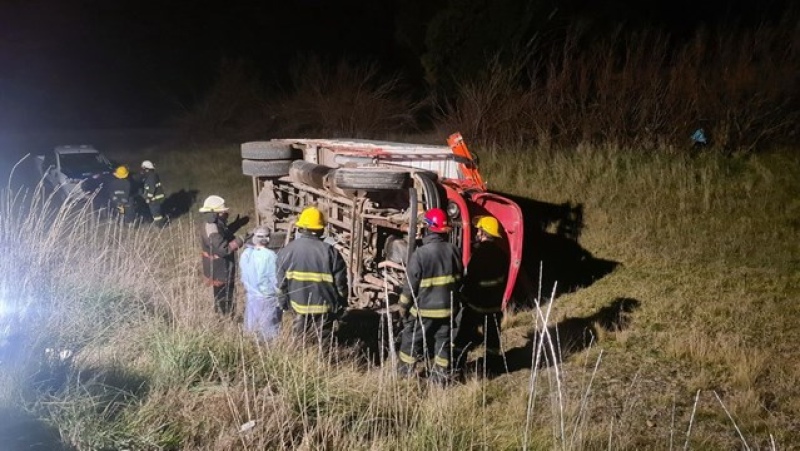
x,y
468,335
223,297
125,211
314,328
423,337
155,212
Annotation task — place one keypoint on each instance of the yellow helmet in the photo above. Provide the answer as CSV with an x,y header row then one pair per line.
x,y
489,225
311,218
121,172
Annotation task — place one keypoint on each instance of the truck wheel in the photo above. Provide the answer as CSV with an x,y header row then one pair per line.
x,y
275,168
430,189
267,150
370,179
309,173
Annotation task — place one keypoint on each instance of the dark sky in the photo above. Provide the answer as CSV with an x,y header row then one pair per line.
x,y
112,63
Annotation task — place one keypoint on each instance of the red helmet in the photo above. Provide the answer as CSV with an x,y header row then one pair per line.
x,y
436,220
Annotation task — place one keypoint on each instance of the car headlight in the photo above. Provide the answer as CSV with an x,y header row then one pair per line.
x,y
453,212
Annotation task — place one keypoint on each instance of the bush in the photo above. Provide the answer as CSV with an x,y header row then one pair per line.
x,y
343,100
234,108
640,89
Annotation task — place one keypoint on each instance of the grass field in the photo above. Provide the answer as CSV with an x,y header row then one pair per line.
x,y
689,342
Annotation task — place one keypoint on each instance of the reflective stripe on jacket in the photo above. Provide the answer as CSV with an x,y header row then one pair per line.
x,y
433,278
152,187
119,191
218,257
312,277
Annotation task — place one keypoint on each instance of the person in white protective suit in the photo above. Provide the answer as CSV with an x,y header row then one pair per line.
x,y
257,265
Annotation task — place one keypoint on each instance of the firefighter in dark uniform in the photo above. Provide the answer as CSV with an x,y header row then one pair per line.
x,y
153,193
484,286
431,300
119,192
312,279
219,247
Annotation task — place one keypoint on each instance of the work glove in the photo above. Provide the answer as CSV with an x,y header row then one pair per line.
x,y
403,312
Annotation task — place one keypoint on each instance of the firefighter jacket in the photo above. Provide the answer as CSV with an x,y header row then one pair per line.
x,y
151,185
486,277
218,257
312,277
433,279
119,191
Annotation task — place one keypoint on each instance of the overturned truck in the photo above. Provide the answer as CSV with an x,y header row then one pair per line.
x,y
373,195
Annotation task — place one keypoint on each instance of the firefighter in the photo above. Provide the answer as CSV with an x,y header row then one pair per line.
x,y
219,247
153,193
484,286
262,315
312,279
119,189
430,300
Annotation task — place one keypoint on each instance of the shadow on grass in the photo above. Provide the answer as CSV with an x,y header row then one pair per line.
x,y
19,430
572,335
552,234
87,393
179,203
364,332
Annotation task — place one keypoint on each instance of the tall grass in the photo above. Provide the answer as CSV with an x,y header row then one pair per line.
x,y
234,107
152,367
644,89
343,99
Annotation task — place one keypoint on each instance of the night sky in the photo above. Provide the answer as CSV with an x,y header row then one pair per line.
x,y
127,63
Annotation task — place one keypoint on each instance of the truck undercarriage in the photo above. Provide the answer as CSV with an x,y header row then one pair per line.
x,y
372,194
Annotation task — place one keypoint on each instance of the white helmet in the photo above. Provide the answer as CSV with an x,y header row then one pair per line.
x,y
147,164
213,204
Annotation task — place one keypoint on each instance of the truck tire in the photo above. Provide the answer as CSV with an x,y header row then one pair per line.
x,y
274,168
309,173
376,179
433,198
267,150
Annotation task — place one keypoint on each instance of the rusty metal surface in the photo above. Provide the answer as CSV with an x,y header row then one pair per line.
x,y
362,222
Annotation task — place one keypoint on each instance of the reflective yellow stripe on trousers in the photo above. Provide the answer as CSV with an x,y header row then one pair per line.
x,y
405,358
431,313
309,309
492,282
303,276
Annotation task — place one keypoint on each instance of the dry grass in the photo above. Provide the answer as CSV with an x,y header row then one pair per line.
x,y
642,89
705,244
343,99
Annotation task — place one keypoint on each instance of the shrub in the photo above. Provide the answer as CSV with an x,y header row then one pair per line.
x,y
343,99
644,89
